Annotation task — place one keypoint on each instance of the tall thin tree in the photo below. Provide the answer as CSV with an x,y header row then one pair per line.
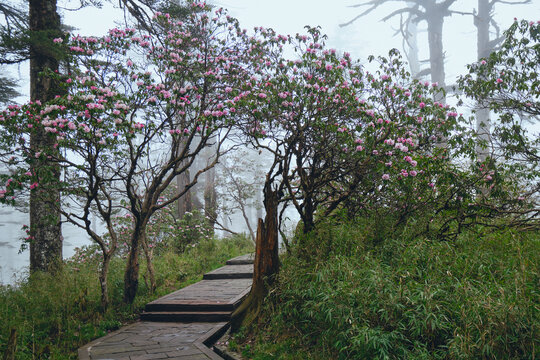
x,y
485,45
45,221
433,13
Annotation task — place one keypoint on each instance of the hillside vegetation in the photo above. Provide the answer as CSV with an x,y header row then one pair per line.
x,y
52,316
355,291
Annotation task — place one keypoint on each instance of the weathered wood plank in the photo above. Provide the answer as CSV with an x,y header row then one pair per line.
x,y
242,260
244,271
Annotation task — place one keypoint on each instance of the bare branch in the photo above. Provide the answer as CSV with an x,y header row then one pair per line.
x,y
424,72
462,12
14,17
508,2
373,4
415,11
446,4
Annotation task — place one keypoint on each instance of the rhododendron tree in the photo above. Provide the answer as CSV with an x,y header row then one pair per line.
x,y
507,83
337,130
139,109
337,134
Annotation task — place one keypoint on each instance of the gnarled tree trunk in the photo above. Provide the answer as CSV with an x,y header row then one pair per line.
x,y
266,264
104,271
149,264
131,275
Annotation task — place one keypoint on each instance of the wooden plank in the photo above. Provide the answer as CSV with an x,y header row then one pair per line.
x,y
242,260
208,291
153,340
187,316
243,271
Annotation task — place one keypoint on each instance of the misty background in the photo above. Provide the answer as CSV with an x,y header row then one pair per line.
x,y
365,36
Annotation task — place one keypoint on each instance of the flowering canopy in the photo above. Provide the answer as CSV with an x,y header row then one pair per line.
x,y
137,109
508,83
337,132
129,90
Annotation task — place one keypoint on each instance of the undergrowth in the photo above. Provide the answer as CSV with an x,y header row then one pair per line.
x,y
347,293
53,316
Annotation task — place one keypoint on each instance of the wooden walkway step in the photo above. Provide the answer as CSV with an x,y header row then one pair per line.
x,y
242,260
186,316
218,298
182,324
156,340
231,272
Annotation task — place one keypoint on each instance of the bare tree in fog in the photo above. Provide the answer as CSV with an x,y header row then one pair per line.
x,y
240,182
486,43
210,198
416,11
433,13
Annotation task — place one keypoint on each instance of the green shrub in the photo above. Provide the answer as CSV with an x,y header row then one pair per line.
x,y
475,298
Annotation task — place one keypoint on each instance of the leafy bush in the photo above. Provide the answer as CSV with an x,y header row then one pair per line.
x,y
417,299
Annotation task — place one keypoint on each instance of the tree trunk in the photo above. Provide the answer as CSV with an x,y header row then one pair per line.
x,y
435,20
309,210
103,281
131,275
11,346
183,204
436,53
266,263
149,264
484,48
210,201
45,225
412,45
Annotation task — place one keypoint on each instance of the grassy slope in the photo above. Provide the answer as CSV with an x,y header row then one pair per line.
x,y
342,296
55,316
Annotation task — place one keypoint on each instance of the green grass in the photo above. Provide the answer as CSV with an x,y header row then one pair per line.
x,y
53,316
346,294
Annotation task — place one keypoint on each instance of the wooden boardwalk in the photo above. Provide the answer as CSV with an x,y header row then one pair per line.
x,y
183,324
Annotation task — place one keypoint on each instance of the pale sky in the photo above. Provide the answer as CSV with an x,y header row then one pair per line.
x,y
368,35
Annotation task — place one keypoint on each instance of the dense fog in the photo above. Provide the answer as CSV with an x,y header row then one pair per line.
x,y
360,27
